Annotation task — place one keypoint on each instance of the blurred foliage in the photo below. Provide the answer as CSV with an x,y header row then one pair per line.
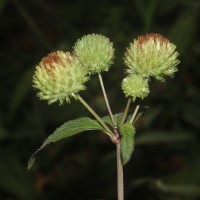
x,y
165,164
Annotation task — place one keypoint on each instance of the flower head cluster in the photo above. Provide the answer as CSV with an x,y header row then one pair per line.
x,y
135,86
58,77
95,52
151,55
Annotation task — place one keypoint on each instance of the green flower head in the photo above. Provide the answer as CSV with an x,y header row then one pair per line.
x,y
135,86
152,55
58,77
95,52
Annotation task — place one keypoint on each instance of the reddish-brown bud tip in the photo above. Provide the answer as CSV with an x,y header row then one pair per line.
x,y
51,58
155,36
50,61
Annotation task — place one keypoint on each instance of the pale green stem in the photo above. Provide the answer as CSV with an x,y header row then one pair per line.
x,y
134,114
126,111
108,131
106,100
120,177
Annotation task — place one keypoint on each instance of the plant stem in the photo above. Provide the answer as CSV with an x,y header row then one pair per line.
x,y
106,100
120,177
108,131
120,181
134,114
126,111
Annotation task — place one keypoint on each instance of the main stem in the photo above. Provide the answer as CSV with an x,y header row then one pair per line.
x,y
106,100
120,176
120,179
108,131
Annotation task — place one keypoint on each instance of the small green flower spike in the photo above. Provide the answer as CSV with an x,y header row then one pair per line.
x,y
135,86
58,77
95,52
152,55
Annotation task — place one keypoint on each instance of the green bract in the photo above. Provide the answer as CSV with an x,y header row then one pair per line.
x,y
95,52
152,55
135,86
58,77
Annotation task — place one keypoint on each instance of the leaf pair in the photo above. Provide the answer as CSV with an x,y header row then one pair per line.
x,y
79,125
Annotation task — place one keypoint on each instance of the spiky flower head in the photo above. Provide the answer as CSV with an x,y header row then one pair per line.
x,y
152,55
95,51
58,77
135,86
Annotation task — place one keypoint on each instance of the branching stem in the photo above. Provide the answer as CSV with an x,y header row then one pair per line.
x,y
126,111
134,114
108,131
106,100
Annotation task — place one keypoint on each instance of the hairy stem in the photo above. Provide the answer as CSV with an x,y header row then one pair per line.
x,y
126,111
108,131
106,100
134,114
120,176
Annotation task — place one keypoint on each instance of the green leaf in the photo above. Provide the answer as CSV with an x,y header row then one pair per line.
x,y
68,129
127,132
117,118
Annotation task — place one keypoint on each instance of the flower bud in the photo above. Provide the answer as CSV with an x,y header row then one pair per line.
x,y
135,86
58,77
152,55
95,52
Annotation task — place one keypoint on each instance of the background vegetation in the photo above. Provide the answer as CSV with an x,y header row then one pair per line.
x,y
165,164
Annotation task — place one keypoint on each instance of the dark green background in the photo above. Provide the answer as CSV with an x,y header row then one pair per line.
x,y
165,164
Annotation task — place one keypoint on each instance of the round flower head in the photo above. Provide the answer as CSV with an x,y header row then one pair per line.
x,y
58,77
95,52
152,55
135,86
